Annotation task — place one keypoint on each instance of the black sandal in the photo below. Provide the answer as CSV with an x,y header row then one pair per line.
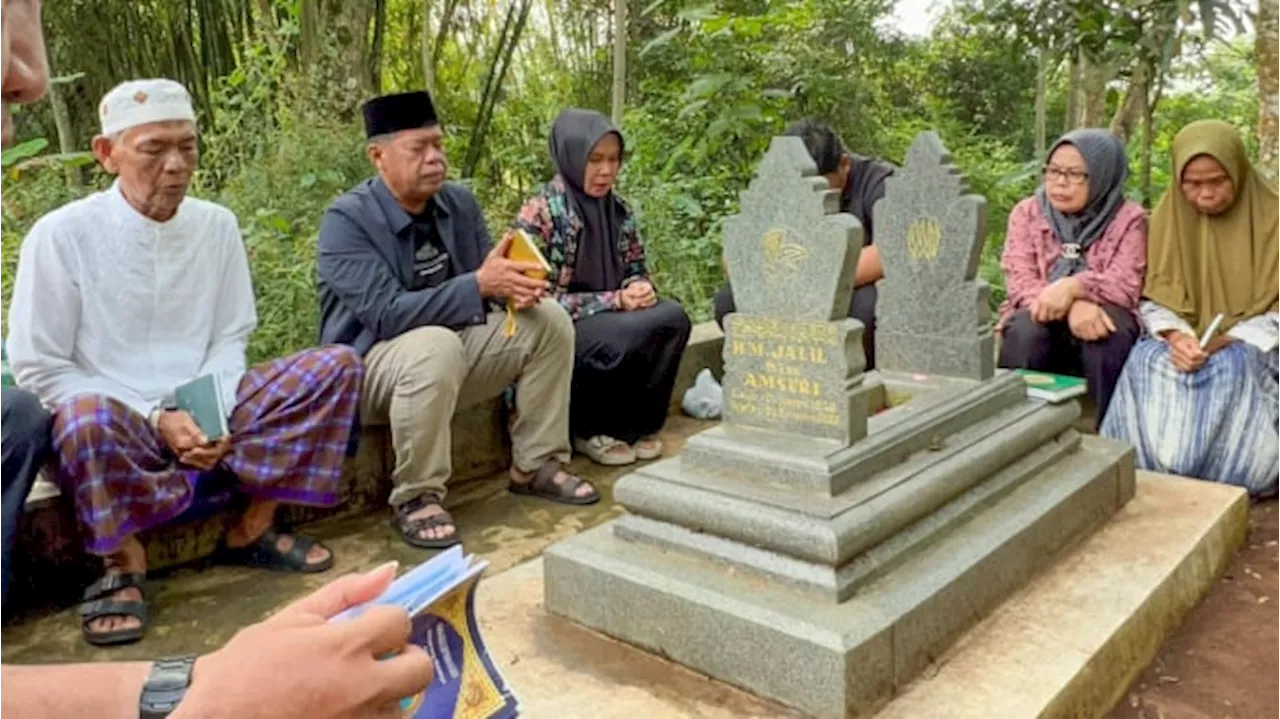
x,y
544,486
265,553
98,603
409,528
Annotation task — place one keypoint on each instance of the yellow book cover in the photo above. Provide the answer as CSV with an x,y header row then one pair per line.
x,y
524,249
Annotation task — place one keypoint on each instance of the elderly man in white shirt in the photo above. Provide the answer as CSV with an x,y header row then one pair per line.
x,y
130,293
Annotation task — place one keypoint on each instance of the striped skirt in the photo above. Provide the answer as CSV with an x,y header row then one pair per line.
x,y
289,435
1218,424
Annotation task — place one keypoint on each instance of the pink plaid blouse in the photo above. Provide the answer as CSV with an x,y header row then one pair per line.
x,y
1116,262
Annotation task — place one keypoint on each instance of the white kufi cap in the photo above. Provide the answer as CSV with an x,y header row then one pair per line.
x,y
138,102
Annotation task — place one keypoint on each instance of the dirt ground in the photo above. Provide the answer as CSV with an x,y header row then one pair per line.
x,y
1222,662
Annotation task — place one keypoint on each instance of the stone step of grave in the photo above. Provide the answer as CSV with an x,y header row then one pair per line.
x,y
825,468
49,563
1005,449
880,547
832,659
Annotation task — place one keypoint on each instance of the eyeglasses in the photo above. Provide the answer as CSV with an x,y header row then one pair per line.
x,y
1071,176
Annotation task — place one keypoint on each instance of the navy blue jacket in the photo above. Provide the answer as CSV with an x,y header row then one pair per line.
x,y
364,259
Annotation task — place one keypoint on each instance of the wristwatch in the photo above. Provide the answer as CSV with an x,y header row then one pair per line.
x,y
166,685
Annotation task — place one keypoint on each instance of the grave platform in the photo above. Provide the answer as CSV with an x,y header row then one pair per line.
x,y
1066,645
712,604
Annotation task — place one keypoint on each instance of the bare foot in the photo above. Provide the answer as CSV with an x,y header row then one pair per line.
x,y
130,559
584,488
255,522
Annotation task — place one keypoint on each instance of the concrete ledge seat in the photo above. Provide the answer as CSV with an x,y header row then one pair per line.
x,y
50,562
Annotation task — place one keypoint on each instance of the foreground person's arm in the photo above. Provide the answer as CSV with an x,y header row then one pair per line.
x,y
109,690
293,665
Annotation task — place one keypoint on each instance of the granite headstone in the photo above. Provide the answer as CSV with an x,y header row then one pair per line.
x,y
932,312
793,360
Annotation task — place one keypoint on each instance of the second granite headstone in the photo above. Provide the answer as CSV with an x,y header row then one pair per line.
x,y
932,311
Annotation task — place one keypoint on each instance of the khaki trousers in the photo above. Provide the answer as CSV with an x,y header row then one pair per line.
x,y
417,381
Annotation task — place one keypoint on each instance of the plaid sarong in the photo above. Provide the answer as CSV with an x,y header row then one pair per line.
x,y
289,433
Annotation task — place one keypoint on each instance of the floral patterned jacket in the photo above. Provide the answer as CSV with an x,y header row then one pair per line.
x,y
549,216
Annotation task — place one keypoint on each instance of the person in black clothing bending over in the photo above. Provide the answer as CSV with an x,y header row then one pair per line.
x,y
861,184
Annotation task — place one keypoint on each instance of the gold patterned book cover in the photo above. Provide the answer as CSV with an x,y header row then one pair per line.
x,y
440,596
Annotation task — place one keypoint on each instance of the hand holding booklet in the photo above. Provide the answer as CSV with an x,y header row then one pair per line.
x,y
524,248
440,597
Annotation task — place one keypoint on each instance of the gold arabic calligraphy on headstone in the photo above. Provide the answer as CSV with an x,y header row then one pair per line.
x,y
923,239
781,257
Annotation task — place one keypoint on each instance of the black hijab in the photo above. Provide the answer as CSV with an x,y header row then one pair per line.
x,y
598,266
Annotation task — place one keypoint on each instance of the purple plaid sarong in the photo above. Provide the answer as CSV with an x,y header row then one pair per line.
x,y
289,434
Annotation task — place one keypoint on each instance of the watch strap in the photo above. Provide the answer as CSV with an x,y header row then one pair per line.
x,y
165,687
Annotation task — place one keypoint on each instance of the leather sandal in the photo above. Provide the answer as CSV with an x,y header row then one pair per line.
x,y
99,603
544,486
265,553
409,529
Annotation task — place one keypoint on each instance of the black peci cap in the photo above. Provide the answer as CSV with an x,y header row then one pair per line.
x,y
393,113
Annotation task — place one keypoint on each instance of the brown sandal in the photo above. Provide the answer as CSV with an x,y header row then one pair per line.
x,y
544,486
409,528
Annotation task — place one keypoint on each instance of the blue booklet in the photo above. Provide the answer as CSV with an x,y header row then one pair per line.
x,y
440,597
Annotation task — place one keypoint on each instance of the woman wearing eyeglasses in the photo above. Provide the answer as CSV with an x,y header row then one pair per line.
x,y
1073,263
1198,395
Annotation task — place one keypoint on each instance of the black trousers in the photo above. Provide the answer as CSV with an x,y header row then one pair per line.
x,y
24,425
862,307
624,370
1027,344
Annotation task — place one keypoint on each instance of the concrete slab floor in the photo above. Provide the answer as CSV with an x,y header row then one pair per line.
x,y
199,607
560,669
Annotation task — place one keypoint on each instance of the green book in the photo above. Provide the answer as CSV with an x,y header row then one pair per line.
x,y
202,399
1052,388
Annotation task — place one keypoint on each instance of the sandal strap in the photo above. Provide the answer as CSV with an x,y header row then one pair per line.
x,y
413,526
544,480
112,582
422,501
268,543
99,608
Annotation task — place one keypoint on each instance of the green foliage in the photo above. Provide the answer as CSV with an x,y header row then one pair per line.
x,y
710,81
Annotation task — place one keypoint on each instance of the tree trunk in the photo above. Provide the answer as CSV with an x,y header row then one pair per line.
x,y
375,47
310,32
1093,86
428,68
619,60
62,122
442,34
505,50
1072,120
1148,134
1265,56
1042,73
1131,107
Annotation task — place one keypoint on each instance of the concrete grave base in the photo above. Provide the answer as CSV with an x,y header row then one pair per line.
x,y
1067,645
833,660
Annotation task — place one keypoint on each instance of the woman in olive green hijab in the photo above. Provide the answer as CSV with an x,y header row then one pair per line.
x,y
1198,397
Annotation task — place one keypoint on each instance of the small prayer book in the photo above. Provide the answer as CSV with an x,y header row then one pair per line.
x,y
1052,388
440,596
202,399
524,249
